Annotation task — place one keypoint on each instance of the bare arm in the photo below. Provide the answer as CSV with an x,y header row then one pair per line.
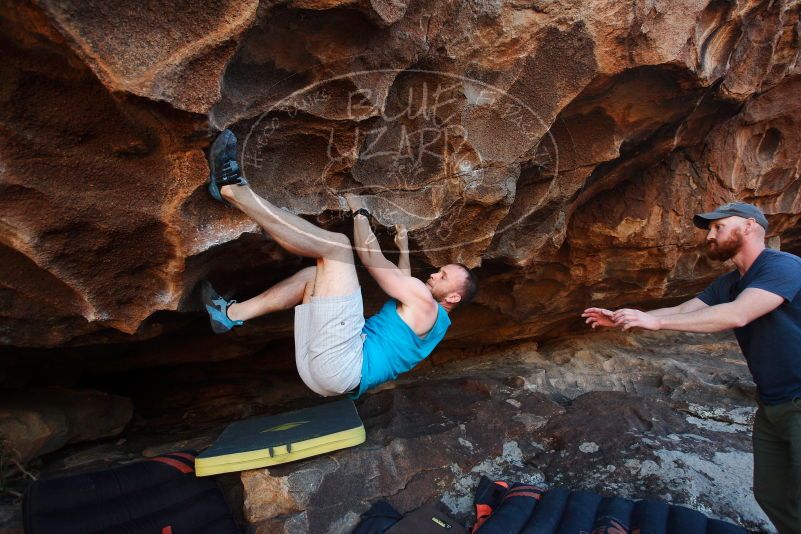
x,y
366,244
402,242
749,305
685,307
395,283
603,317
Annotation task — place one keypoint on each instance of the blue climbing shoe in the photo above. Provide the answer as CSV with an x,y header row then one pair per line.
x,y
223,165
217,308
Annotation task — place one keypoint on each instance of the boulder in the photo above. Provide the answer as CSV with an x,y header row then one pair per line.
x,y
659,416
561,147
37,421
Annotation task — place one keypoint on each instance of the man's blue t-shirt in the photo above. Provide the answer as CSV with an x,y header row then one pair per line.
x,y
771,343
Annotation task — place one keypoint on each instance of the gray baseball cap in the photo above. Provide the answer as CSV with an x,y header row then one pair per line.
x,y
740,209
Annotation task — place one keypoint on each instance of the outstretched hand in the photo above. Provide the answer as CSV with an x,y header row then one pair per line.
x,y
401,237
628,318
624,319
599,317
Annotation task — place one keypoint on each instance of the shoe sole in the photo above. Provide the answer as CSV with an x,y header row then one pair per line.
x,y
225,144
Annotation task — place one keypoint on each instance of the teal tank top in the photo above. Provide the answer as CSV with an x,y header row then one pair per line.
x,y
391,346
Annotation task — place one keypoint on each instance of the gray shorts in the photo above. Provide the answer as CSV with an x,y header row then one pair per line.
x,y
328,343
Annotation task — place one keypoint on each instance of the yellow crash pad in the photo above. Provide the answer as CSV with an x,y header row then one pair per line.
x,y
277,439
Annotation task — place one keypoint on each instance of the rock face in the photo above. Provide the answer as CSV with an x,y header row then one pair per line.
x,y
36,422
559,147
562,147
665,417
660,415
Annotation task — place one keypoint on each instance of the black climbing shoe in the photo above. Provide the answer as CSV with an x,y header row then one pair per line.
x,y
224,168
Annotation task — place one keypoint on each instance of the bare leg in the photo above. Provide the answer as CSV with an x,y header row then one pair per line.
x,y
336,273
284,295
293,233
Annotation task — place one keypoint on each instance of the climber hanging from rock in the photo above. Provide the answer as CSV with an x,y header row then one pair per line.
x,y
336,350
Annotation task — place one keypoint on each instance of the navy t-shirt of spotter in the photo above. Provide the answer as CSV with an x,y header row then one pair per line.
x,y
771,343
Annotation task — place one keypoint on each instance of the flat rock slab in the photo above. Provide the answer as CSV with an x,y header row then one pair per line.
x,y
431,440
422,440
637,415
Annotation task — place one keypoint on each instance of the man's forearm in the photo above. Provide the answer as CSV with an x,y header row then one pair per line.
x,y
403,261
662,312
404,265
711,319
365,241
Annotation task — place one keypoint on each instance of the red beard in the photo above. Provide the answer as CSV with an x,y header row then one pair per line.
x,y
727,249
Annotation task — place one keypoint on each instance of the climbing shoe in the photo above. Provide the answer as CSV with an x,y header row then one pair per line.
x,y
223,165
217,308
